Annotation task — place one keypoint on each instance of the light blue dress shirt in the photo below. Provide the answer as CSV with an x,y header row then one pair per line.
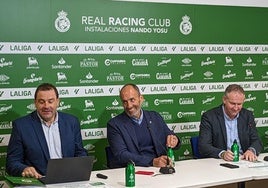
x,y
232,131
52,135
136,120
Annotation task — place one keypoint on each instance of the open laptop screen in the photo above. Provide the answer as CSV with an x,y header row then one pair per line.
x,y
68,170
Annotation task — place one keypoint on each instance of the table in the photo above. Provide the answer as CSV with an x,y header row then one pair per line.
x,y
192,173
189,173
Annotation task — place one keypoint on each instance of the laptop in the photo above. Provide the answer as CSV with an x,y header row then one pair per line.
x,y
68,170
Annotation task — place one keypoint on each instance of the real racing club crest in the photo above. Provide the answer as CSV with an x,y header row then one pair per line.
x,y
186,25
62,23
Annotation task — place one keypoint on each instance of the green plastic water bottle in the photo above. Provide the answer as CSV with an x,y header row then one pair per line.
x,y
235,150
130,175
170,154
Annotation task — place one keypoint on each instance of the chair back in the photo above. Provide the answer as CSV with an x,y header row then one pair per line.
x,y
109,155
194,145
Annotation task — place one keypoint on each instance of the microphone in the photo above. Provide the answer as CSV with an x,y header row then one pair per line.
x,y
167,169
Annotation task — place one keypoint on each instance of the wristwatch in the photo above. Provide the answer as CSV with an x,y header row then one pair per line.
x,y
222,155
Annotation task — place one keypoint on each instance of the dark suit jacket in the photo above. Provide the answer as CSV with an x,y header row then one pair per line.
x,y
124,144
213,136
28,147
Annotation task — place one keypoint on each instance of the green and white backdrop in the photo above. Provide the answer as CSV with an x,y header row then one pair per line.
x,y
181,55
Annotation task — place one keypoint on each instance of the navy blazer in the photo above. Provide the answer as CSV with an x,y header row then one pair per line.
x,y
213,136
123,140
28,147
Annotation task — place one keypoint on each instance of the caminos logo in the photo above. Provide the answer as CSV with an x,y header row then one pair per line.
x,y
62,23
109,62
185,114
158,102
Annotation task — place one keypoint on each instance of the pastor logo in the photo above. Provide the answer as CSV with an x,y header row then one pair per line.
x,y
89,62
114,77
62,23
166,115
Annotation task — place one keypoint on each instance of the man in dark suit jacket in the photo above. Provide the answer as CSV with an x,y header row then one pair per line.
x,y
41,135
221,125
138,135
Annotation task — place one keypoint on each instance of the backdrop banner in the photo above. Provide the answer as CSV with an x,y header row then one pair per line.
x,y
181,56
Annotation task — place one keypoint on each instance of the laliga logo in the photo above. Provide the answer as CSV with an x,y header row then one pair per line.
x,y
62,23
186,25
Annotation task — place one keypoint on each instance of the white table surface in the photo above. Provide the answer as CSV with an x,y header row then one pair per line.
x,y
189,173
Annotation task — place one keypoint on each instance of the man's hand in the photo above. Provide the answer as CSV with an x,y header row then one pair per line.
x,y
228,155
172,141
30,172
249,156
160,161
